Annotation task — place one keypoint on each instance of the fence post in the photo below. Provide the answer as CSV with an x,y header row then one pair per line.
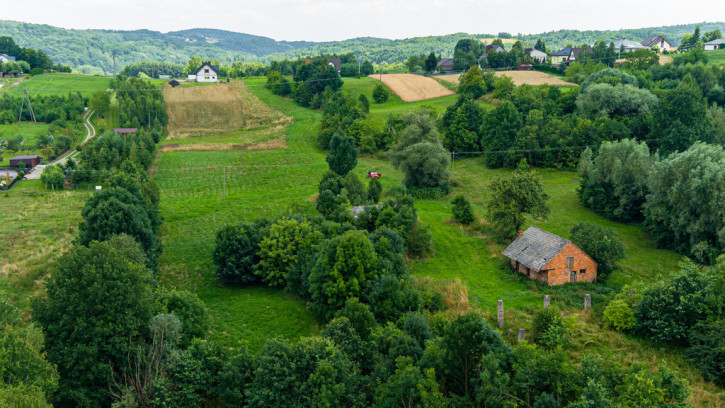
x,y
547,301
632,292
500,314
587,301
522,334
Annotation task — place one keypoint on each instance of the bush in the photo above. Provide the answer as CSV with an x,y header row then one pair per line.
x,y
462,211
236,253
420,241
380,94
707,350
618,315
602,244
52,177
375,189
280,248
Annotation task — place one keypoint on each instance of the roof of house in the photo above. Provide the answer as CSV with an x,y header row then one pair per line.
x,y
564,52
336,63
495,47
8,57
215,68
716,42
31,156
577,50
535,248
628,44
445,61
653,40
125,130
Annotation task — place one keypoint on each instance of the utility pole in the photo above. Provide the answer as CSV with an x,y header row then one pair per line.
x,y
30,107
453,173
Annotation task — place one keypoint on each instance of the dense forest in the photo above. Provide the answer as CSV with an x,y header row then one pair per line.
x,y
92,51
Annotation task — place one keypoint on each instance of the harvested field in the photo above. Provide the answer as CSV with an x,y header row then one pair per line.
x,y
664,59
503,40
413,88
519,78
216,108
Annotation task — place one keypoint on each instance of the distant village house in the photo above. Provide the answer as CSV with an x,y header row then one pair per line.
x,y
125,131
549,258
30,161
6,58
536,55
205,73
714,45
333,62
445,64
625,45
561,56
658,41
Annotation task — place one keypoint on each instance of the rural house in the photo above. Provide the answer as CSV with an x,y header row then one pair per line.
x,y
628,46
6,58
549,258
560,56
536,55
333,62
659,41
574,54
445,64
205,73
30,161
714,45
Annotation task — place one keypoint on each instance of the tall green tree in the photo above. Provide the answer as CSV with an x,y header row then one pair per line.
x,y
513,198
498,132
431,63
343,154
97,305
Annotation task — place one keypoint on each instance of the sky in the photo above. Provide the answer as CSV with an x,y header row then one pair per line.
x,y
331,20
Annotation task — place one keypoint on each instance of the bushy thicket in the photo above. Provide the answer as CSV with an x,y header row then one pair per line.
x,y
140,104
57,109
311,79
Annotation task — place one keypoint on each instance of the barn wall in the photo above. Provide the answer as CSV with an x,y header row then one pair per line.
x,y
558,274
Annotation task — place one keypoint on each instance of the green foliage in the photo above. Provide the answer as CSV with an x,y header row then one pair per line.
x,y
619,315
380,94
503,87
364,103
707,349
460,124
52,177
685,201
498,130
374,191
602,244
354,189
512,198
425,165
410,386
359,316
116,211
614,184
154,69
472,83
88,346
611,76
391,297
343,154
236,253
462,211
345,265
280,248
279,84
140,102
615,101
190,310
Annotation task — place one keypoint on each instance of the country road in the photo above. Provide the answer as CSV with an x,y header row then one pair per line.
x,y
90,133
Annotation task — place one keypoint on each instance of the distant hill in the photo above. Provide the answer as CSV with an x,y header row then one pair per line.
x,y
92,51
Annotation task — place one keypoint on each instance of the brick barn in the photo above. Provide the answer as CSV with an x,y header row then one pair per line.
x,y
549,258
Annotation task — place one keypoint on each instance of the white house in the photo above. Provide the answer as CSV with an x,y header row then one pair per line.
x,y
6,58
536,55
659,41
206,73
714,45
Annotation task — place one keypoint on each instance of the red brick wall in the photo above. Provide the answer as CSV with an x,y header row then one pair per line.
x,y
557,266
554,273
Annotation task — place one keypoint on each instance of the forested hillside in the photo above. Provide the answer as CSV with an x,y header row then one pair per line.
x,y
91,51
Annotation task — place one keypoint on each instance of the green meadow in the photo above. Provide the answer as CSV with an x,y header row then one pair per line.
x,y
57,84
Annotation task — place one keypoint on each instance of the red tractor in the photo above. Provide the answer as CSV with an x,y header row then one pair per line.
x,y
373,174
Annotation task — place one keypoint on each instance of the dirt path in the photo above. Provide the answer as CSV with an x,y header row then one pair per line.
x,y
90,133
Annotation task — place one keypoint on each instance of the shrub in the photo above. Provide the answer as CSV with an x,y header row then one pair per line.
x,y
618,315
375,189
380,94
420,241
462,211
52,177
280,248
236,253
707,350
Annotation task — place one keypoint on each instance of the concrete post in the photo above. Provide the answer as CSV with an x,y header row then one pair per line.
x,y
587,301
522,334
632,292
547,301
500,314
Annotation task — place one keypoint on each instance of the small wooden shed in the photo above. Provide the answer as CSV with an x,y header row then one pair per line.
x,y
29,160
125,131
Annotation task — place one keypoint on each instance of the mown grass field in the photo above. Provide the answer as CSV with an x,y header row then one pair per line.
x,y
57,84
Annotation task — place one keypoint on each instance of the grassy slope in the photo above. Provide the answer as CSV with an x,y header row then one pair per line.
x,y
59,84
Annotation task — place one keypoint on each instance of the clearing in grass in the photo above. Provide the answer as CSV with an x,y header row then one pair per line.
x,y
216,108
534,78
412,88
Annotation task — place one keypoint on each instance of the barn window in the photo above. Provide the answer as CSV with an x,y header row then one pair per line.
x,y
569,262
582,271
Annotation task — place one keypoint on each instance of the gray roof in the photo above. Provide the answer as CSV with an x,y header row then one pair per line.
x,y
31,156
653,40
213,67
564,52
7,57
535,248
628,44
716,42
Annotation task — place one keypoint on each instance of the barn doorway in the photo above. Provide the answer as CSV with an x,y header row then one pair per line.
x,y
572,276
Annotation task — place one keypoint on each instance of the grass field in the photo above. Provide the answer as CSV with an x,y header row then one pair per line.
x,y
57,84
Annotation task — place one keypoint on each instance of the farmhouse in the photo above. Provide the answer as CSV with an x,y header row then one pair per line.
x,y
125,131
628,46
550,259
659,41
560,56
6,58
574,54
536,55
714,45
206,73
333,62
30,161
445,64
